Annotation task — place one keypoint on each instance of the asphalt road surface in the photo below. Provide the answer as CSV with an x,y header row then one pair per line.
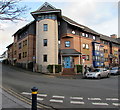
x,y
63,93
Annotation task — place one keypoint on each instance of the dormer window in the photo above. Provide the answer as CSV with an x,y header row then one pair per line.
x,y
73,32
83,34
94,37
87,35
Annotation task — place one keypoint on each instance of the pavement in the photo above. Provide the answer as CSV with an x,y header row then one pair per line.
x,y
9,101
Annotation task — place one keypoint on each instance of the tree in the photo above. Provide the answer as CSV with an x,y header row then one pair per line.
x,y
10,10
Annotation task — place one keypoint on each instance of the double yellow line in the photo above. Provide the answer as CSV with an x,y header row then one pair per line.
x,y
24,99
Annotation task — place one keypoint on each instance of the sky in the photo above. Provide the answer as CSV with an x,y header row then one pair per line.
x,y
99,15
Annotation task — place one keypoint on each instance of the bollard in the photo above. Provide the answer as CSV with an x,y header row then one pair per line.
x,y
34,98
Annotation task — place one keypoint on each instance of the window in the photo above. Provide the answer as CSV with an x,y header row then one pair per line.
x,y
44,58
59,42
67,43
24,43
73,32
105,51
85,46
20,45
87,35
87,57
19,55
83,34
94,37
23,54
45,42
14,52
45,26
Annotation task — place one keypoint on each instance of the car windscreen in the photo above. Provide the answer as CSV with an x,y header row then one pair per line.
x,y
97,70
114,68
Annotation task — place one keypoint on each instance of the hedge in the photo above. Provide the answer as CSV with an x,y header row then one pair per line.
x,y
58,68
79,68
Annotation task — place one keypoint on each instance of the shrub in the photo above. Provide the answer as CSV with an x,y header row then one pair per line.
x,y
79,68
58,68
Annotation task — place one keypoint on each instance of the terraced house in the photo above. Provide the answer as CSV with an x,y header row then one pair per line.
x,y
56,39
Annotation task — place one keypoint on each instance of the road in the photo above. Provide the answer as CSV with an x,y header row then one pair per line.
x,y
63,93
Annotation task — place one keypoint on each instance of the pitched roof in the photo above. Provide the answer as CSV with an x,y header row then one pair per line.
x,y
85,28
45,7
69,51
107,38
24,27
9,45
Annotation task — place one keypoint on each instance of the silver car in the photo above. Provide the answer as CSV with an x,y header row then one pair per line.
x,y
98,73
115,71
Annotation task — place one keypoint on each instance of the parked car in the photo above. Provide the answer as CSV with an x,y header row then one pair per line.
x,y
115,71
98,73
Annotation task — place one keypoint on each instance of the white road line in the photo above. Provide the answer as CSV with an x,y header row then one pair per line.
x,y
42,95
78,98
76,102
94,99
116,104
99,103
26,93
58,101
55,96
41,99
112,99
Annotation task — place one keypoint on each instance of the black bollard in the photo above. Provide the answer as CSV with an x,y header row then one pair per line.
x,y
34,98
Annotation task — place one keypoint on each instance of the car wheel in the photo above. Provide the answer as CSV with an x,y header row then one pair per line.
x,y
108,75
98,77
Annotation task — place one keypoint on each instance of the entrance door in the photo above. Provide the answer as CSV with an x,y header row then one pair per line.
x,y
67,63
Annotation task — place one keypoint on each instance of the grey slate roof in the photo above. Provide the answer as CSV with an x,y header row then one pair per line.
x,y
46,7
69,51
21,29
107,38
85,28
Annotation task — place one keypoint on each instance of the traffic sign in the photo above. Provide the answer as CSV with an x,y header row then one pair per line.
x,y
83,56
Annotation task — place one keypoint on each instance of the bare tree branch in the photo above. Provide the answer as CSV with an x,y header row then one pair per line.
x,y
10,10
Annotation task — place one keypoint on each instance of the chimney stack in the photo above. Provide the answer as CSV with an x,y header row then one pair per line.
x,y
114,36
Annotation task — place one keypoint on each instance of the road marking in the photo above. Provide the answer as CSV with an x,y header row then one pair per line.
x,y
26,93
42,95
116,104
41,99
55,96
112,99
76,102
58,101
94,99
78,98
99,103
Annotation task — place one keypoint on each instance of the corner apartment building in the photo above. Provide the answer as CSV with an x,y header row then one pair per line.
x,y
55,39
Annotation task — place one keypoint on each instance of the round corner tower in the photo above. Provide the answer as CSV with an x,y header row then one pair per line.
x,y
46,35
